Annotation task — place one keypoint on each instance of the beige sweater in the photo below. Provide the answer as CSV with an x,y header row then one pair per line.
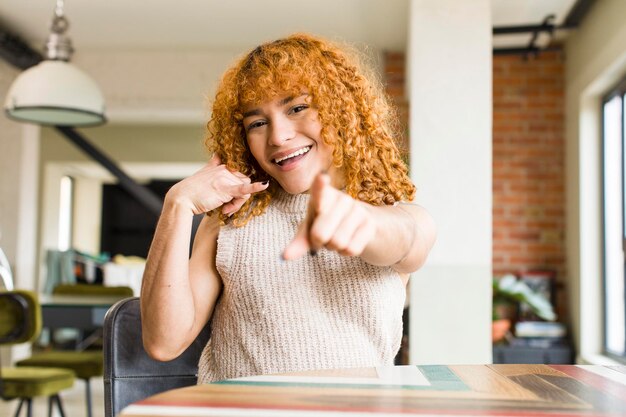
x,y
317,312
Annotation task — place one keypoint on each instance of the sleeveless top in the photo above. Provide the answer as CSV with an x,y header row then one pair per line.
x,y
316,312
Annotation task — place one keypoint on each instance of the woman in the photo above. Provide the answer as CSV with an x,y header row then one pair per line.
x,y
302,260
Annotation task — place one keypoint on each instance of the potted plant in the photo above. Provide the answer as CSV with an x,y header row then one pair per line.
x,y
508,293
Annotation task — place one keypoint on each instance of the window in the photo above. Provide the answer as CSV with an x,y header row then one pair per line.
x,y
66,198
614,206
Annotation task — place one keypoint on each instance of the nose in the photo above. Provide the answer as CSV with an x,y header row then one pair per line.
x,y
281,130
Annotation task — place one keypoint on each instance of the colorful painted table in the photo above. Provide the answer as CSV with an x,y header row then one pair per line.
x,y
436,390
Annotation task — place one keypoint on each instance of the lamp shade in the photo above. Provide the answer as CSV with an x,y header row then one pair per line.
x,y
55,93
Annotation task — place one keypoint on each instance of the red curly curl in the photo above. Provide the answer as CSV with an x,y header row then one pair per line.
x,y
356,117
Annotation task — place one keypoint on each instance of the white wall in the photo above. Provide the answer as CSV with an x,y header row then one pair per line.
x,y
450,133
156,87
87,212
19,153
596,60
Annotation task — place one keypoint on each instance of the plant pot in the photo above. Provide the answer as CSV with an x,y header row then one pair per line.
x,y
499,329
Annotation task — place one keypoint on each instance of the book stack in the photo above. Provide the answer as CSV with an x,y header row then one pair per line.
x,y
541,334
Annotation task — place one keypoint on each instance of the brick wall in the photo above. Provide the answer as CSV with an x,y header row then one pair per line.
x,y
393,78
528,160
528,165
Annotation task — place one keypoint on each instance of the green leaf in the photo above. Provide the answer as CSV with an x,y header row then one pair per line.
x,y
510,288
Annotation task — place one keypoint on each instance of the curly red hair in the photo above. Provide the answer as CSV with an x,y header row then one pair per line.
x,y
356,117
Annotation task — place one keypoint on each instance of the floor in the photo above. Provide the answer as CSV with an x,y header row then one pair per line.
x,y
73,402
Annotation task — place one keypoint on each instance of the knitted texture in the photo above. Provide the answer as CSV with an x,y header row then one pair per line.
x,y
317,312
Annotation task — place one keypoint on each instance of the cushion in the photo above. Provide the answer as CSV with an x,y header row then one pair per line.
x,y
27,382
92,289
84,364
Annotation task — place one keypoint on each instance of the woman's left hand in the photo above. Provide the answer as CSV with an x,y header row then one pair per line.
x,y
334,221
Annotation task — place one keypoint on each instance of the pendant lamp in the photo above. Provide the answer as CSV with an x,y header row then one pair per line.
x,y
55,92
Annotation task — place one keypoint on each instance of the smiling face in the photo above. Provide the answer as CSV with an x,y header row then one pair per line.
x,y
260,116
284,136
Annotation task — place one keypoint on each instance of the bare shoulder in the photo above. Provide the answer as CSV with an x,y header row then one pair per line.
x,y
410,206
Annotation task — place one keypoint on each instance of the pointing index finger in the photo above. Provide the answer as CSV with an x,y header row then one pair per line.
x,y
317,191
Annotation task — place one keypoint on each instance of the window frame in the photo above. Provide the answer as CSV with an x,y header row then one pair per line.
x,y
619,89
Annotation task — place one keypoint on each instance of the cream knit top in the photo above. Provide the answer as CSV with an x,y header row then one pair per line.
x,y
317,312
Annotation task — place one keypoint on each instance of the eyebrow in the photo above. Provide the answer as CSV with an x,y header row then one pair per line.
x,y
256,112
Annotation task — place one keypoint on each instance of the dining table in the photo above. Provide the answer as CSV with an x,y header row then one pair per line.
x,y
82,312
409,390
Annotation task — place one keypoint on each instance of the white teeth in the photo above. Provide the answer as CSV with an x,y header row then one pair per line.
x,y
291,155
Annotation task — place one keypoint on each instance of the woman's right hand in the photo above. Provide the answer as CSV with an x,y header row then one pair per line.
x,y
214,186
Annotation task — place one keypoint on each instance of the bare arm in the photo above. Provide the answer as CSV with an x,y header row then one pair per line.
x,y
178,294
399,236
405,234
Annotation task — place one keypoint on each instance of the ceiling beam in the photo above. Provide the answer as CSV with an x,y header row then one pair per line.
x,y
14,51
143,194
573,19
577,13
508,30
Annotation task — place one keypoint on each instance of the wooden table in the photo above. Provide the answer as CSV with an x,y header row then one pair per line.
x,y
434,390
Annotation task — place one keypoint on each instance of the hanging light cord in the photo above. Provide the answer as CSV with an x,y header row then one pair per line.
x,y
59,9
58,45
59,22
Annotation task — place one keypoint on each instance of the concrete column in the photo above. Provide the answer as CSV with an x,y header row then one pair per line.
x,y
449,88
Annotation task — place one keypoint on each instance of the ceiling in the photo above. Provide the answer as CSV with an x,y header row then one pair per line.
x,y
228,25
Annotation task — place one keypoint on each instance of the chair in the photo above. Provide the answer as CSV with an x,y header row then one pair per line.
x,y
129,373
6,276
92,289
85,364
20,322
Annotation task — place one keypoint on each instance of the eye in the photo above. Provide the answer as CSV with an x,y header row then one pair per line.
x,y
255,124
299,108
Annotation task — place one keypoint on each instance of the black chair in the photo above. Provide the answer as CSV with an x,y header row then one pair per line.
x,y
129,373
